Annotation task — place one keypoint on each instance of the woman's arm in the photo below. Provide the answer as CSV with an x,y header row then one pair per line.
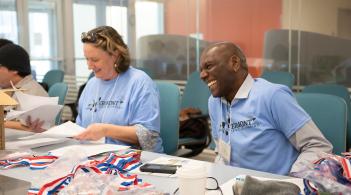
x,y
97,131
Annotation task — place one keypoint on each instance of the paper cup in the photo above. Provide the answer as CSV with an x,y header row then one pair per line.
x,y
192,180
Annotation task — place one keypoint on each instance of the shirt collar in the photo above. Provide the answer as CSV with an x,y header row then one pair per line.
x,y
25,80
244,89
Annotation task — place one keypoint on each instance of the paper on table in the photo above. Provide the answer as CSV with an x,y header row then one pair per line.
x,y
88,149
46,113
170,161
227,187
67,129
33,143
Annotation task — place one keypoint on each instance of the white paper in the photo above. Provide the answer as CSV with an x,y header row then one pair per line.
x,y
227,187
46,113
33,143
37,107
67,129
28,102
88,149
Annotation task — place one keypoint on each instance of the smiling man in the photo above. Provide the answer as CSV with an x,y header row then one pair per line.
x,y
256,124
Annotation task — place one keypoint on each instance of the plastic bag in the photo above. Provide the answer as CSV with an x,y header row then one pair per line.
x,y
328,174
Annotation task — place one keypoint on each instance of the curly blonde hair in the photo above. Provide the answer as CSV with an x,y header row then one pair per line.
x,y
108,39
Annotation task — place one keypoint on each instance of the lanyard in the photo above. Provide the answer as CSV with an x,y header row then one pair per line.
x,y
226,120
97,102
35,162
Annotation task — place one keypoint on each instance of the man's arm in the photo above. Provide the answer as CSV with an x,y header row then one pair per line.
x,y
309,141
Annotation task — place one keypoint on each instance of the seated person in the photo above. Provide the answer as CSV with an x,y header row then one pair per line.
x,y
15,68
256,124
4,42
120,103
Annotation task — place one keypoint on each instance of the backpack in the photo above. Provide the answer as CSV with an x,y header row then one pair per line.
x,y
193,124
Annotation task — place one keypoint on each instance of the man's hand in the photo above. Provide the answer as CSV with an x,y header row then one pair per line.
x,y
35,126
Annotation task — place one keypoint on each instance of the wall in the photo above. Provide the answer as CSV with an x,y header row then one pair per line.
x,y
240,21
319,16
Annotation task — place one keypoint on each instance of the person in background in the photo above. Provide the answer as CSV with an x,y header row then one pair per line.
x,y
120,103
4,42
15,69
256,124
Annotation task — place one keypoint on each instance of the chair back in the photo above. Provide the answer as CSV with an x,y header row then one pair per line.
x,y
59,90
53,76
279,77
196,93
148,71
169,115
340,91
329,112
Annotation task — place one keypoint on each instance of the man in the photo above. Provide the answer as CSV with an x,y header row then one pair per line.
x,y
4,42
15,68
256,124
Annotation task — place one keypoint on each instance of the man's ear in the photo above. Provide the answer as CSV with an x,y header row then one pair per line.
x,y
235,60
14,72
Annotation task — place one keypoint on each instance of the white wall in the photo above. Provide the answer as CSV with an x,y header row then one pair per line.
x,y
315,15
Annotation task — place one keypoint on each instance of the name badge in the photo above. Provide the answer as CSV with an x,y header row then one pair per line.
x,y
224,150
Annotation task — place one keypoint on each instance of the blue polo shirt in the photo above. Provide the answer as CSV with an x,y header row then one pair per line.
x,y
258,124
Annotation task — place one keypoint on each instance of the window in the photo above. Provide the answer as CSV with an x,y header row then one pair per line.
x,y
8,20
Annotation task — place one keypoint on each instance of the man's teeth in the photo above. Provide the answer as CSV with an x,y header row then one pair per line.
x,y
211,83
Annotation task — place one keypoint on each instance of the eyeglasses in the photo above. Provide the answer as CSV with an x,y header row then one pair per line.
x,y
211,185
90,37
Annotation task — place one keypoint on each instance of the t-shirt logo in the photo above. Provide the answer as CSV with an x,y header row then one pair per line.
x,y
237,126
100,104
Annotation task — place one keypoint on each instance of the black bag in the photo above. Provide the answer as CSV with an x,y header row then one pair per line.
x,y
193,124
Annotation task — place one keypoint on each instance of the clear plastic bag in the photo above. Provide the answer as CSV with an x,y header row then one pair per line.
x,y
326,175
96,184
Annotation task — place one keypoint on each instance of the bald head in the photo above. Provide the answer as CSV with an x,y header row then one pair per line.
x,y
228,49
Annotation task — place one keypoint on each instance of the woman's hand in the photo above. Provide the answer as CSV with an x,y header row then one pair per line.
x,y
34,126
93,132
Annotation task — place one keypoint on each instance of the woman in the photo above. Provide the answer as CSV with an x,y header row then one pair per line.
x,y
120,103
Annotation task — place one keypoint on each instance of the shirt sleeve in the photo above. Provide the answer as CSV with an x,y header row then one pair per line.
x,y
147,138
145,109
287,114
310,142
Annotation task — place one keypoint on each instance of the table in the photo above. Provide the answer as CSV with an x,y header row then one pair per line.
x,y
222,173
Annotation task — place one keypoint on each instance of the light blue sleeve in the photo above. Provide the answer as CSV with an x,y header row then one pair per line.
x,y
288,116
146,109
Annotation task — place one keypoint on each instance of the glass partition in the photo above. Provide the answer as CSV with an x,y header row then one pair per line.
x,y
309,38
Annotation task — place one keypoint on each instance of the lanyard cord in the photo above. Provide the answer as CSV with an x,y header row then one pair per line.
x,y
226,120
109,99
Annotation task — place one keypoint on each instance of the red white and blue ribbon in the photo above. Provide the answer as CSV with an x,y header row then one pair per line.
x,y
113,164
34,162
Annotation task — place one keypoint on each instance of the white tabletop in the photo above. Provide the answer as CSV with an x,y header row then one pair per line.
x,y
166,184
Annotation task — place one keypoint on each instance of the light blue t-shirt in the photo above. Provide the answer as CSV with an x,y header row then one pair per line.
x,y
129,99
258,124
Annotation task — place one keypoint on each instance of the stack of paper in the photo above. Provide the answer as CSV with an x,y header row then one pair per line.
x,y
65,130
37,107
33,143
88,149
